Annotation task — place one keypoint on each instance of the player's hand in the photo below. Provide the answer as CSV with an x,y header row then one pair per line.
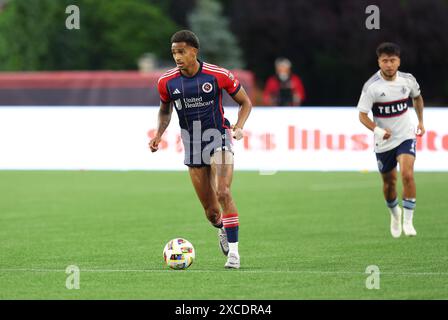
x,y
381,133
420,129
237,132
154,143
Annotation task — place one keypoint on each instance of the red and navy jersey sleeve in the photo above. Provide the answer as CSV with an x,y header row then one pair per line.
x,y
163,91
229,83
226,80
162,84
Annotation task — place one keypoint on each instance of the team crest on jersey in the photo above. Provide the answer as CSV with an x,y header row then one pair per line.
x,y
403,90
207,87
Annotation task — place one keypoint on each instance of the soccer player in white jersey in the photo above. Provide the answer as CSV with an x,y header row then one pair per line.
x,y
387,95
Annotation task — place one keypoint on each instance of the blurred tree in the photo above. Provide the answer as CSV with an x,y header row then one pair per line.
x,y
113,35
25,30
133,28
177,10
218,44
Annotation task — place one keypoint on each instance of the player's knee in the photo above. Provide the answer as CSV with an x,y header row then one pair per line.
x,y
390,184
224,195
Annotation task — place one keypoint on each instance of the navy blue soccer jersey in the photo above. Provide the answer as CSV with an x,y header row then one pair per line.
x,y
198,98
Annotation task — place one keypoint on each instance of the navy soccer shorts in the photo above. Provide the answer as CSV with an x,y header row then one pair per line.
x,y
387,161
199,153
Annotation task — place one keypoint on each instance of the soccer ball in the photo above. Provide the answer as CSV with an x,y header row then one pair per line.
x,y
178,254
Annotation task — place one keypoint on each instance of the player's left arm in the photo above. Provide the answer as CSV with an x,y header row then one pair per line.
x,y
245,104
417,101
418,106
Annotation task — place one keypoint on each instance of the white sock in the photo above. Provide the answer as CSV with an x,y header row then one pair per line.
x,y
233,247
395,211
409,207
408,214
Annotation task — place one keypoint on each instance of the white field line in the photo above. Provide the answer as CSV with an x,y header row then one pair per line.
x,y
416,274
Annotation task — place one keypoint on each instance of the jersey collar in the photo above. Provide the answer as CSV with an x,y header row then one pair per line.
x,y
382,78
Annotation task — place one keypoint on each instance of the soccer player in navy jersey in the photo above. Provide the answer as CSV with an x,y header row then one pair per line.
x,y
194,88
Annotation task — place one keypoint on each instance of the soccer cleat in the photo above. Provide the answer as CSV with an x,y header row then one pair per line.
x,y
395,224
409,229
223,243
233,261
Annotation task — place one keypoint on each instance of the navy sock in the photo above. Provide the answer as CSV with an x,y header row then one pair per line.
x,y
231,225
219,225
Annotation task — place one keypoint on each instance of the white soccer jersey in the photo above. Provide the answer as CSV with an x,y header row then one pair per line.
x,y
388,101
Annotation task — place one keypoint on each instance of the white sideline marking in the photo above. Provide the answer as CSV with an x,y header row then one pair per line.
x,y
240,270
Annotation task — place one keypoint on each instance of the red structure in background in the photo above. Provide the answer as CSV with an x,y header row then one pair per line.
x,y
91,88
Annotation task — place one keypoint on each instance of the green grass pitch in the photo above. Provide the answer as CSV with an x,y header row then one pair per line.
x,y
303,235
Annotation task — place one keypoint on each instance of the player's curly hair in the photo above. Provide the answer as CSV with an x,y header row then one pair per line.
x,y
186,36
389,48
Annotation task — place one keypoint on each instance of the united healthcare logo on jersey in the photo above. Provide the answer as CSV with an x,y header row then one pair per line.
x,y
207,87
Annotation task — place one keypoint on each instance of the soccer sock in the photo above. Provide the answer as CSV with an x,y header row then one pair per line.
x,y
231,225
233,247
408,207
219,225
393,207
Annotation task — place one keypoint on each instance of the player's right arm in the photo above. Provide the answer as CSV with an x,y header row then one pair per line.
x,y
365,104
369,124
165,111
